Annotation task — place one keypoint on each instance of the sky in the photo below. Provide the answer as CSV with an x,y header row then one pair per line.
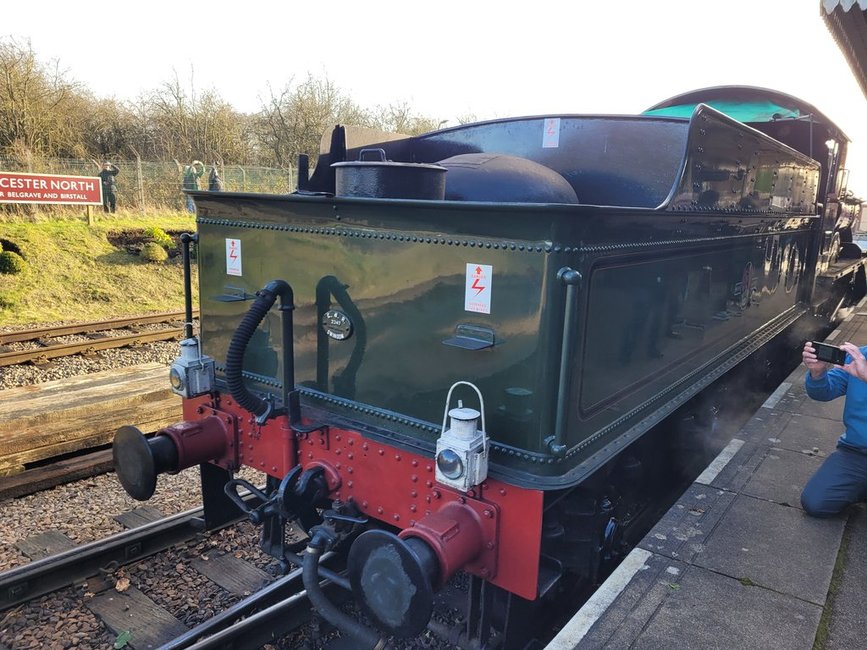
x,y
453,58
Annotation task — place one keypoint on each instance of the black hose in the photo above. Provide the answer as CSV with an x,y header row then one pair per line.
x,y
265,299
327,609
336,578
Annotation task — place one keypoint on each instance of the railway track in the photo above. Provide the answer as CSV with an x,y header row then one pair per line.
x,y
104,578
37,347
64,569
92,326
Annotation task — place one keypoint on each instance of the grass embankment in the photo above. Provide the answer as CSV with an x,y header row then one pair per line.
x,y
74,272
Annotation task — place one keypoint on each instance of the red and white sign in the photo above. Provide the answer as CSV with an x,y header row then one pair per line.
x,y
477,296
49,188
551,134
233,257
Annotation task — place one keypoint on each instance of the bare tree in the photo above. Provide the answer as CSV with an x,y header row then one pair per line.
x,y
467,118
185,124
46,114
293,120
399,118
110,129
40,109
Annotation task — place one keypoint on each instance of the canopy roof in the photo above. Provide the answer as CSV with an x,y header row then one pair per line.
x,y
747,104
847,21
740,111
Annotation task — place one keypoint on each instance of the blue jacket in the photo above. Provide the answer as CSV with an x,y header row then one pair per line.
x,y
836,383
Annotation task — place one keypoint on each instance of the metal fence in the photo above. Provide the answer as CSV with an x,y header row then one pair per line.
x,y
147,185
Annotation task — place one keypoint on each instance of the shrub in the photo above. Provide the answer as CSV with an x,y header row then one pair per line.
x,y
11,263
6,245
152,252
159,236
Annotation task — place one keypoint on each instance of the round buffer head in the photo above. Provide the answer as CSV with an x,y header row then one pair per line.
x,y
391,581
134,463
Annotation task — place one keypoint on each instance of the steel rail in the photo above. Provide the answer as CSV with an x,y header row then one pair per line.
x,y
67,349
275,610
49,574
92,326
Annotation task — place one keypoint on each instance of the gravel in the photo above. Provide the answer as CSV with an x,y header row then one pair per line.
x,y
62,367
83,510
54,622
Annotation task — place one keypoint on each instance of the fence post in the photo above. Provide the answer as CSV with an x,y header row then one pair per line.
x,y
141,201
243,179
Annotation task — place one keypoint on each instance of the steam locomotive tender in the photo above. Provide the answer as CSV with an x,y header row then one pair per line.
x,y
456,342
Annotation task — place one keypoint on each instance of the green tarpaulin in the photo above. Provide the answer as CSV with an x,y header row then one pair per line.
x,y
740,111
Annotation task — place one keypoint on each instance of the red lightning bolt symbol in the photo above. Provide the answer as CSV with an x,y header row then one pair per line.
x,y
233,253
477,286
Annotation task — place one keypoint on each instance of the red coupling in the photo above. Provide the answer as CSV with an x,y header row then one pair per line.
x,y
198,442
455,534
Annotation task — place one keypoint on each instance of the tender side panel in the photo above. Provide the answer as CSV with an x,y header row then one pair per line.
x,y
656,324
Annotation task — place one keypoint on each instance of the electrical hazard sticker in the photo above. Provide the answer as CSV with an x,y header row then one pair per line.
x,y
551,133
477,296
233,257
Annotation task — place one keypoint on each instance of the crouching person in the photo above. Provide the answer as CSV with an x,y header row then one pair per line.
x,y
842,478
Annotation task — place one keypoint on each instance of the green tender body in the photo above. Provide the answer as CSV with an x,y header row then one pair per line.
x,y
660,313
671,296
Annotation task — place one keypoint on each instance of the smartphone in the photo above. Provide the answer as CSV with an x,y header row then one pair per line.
x,y
829,353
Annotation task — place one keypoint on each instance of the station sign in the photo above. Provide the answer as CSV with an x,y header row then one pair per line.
x,y
50,188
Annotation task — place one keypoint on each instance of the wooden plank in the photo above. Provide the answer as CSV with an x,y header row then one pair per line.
x,y
106,416
59,417
44,544
11,469
83,436
38,402
138,516
149,625
64,471
232,574
52,392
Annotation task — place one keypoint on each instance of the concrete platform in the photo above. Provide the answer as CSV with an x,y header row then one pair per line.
x,y
736,563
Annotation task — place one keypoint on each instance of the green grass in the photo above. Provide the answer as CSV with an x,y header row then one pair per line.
x,y
74,273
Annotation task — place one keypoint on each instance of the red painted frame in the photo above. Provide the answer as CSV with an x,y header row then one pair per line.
x,y
392,485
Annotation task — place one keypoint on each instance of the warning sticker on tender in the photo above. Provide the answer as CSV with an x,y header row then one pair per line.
x,y
233,257
551,134
477,296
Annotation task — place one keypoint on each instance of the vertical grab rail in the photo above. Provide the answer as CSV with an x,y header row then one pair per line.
x,y
571,278
186,240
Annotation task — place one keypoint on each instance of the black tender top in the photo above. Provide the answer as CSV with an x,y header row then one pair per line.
x,y
652,162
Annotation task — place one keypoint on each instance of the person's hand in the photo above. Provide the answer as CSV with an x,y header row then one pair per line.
x,y
808,355
857,367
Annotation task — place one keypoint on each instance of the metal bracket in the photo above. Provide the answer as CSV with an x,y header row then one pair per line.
x,y
234,294
304,431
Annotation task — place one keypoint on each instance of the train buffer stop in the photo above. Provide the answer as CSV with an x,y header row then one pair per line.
x,y
736,563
